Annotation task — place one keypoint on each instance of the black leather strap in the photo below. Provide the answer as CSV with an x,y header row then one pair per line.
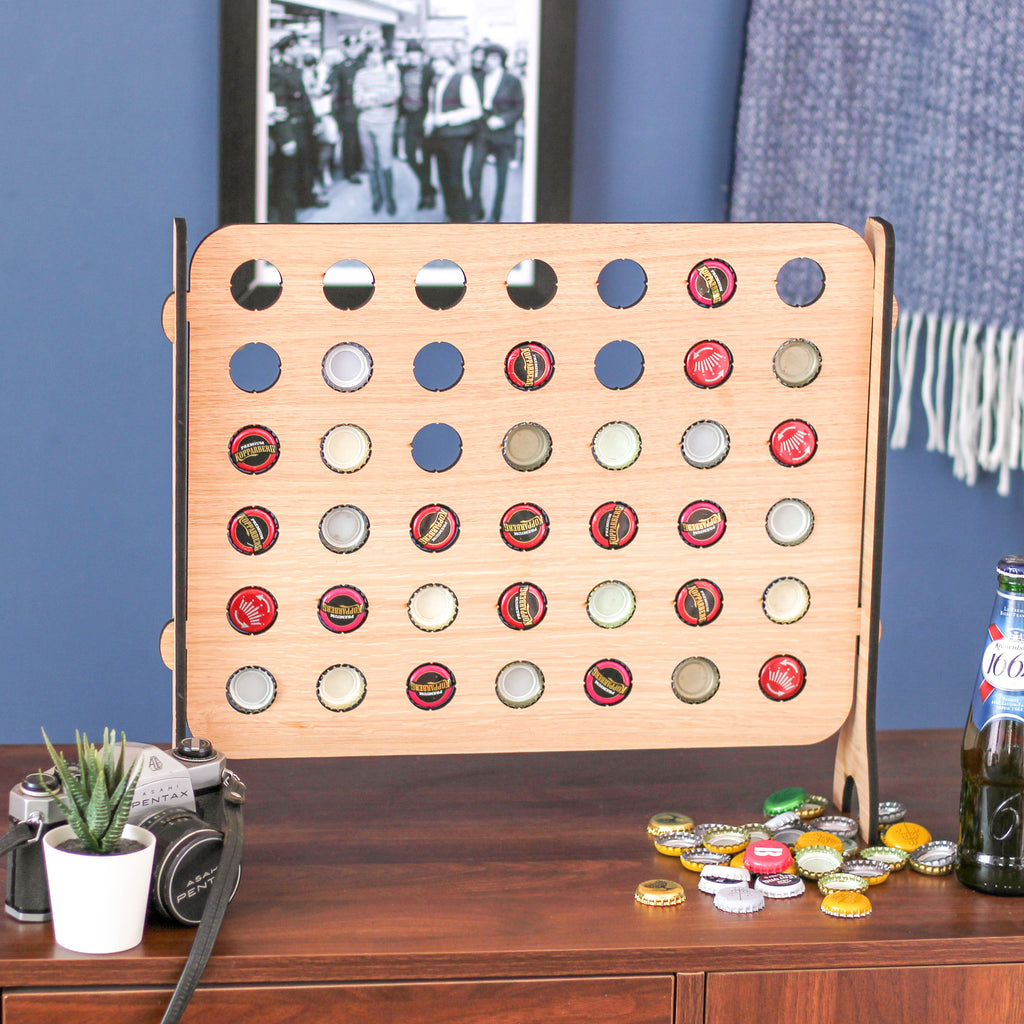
x,y
21,834
217,904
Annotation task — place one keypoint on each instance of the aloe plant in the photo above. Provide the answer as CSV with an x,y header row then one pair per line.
x,y
98,797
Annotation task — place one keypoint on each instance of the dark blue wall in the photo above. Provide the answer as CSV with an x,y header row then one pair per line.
x,y
109,122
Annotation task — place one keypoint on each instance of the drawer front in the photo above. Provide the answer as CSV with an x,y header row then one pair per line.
x,y
642,1000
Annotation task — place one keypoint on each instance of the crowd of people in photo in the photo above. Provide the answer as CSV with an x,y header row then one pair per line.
x,y
348,114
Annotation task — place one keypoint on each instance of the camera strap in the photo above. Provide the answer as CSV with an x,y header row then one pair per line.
x,y
233,790
21,834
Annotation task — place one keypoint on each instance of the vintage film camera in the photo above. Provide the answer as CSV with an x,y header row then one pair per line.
x,y
179,797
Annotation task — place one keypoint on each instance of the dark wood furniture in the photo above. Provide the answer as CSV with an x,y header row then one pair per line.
x,y
499,888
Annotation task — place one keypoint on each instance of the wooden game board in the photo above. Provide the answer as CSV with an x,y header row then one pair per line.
x,y
845,404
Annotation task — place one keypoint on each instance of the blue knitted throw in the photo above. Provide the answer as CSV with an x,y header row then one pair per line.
x,y
912,110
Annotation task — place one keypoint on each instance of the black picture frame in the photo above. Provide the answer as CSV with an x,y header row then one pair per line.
x,y
239,54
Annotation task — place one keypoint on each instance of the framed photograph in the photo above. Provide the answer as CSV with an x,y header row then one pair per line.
x,y
358,111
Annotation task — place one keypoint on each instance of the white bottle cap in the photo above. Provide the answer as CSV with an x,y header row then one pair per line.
x,y
341,688
345,448
610,604
344,528
433,607
347,367
786,599
705,444
251,689
519,684
616,445
789,521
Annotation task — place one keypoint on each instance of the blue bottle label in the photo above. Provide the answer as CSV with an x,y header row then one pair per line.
x,y
999,690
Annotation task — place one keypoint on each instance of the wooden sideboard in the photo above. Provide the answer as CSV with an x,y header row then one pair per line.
x,y
499,888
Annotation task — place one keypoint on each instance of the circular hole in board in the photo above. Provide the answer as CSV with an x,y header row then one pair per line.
x,y
619,365
436,447
348,284
800,282
531,284
622,283
440,284
255,367
256,284
438,366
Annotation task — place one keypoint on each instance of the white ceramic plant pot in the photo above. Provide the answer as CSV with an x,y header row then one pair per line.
x,y
98,902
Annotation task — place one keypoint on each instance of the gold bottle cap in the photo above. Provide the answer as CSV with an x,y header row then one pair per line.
x,y
846,904
797,362
812,807
698,859
669,821
892,857
675,844
659,892
819,838
814,861
873,871
725,838
786,600
937,857
841,881
907,836
345,448
341,688
433,607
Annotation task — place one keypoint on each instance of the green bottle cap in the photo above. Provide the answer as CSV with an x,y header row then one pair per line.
x,y
788,799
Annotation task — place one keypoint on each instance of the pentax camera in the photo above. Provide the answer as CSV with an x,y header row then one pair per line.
x,y
179,798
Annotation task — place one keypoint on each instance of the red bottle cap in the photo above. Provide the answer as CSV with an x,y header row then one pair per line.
x,y
252,610
711,282
434,527
252,530
782,677
708,364
343,609
702,523
698,602
430,686
793,442
607,682
524,526
522,606
767,856
529,366
613,524
254,449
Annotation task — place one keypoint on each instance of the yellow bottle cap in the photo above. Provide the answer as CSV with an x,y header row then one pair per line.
x,y
726,838
819,838
812,807
846,904
841,881
905,835
659,892
675,844
892,857
873,871
669,821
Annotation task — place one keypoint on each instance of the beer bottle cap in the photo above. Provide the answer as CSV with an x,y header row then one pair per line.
x,y
342,609
674,844
251,689
786,600
711,282
797,362
890,812
613,524
846,904
252,610
782,800
779,886
937,857
345,448
611,604
708,364
782,677
434,528
739,899
522,605
529,366
725,838
906,836
519,684
695,680
789,834
814,861
793,442
433,607
841,825
347,367
767,856
872,870
669,821
526,446
698,858
607,682
616,445
430,686
702,523
890,856
813,807
524,526
784,819
659,892
341,688
705,444
698,602
252,530
344,528
789,522
841,881
817,837
254,449
714,877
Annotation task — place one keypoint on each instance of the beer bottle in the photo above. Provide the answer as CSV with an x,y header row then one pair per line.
x,y
992,756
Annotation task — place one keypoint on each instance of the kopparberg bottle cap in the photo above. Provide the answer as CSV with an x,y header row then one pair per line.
x,y
906,836
526,446
767,857
616,445
814,861
739,899
779,886
345,448
702,523
937,857
892,857
252,530
793,442
789,522
705,444
782,677
430,686
607,682
786,600
252,610
613,524
873,871
813,807
695,680
698,858
846,904
529,366
783,800
611,604
841,881
522,605
344,528
711,282
519,684
817,837
342,609
669,821
434,528
675,844
724,838
347,367
796,362
433,607
698,602
524,526
659,892
251,690
341,688
890,812
717,876
254,449
708,364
